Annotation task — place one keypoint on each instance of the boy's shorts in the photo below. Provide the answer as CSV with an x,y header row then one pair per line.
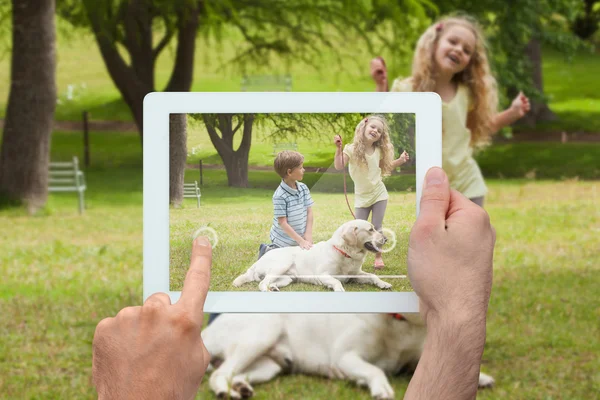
x,y
264,248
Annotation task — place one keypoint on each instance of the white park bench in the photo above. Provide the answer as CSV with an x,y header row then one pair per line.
x,y
270,83
277,147
66,177
192,190
266,83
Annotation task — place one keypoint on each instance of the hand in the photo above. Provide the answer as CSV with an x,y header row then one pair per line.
x,y
378,70
155,350
337,140
404,157
520,105
450,253
308,238
305,244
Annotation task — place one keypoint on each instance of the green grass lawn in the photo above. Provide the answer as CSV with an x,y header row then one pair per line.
x,y
63,272
243,222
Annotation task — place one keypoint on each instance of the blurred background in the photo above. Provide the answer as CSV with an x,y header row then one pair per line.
x,y
74,74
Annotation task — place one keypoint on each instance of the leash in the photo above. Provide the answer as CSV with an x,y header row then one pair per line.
x,y
344,169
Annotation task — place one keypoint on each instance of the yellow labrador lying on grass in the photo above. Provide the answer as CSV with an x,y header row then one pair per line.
x,y
327,263
253,348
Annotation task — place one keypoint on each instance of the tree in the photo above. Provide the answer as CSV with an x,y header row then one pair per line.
x,y
25,152
222,129
292,28
177,156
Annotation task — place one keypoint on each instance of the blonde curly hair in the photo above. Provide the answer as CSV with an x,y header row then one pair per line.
x,y
384,143
476,76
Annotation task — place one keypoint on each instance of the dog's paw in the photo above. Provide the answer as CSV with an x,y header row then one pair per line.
x,y
228,396
273,288
384,285
485,381
338,288
382,390
243,388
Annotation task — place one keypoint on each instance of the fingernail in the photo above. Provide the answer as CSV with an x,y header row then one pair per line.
x,y
435,177
202,241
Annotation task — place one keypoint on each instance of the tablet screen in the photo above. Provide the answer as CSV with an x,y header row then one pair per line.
x,y
266,191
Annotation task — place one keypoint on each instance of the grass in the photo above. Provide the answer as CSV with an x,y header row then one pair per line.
x,y
243,222
62,273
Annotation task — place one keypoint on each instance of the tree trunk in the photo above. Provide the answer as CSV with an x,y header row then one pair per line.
x,y
25,150
540,112
136,80
235,161
178,157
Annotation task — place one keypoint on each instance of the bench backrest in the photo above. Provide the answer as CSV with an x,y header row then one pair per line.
x,y
191,189
266,83
65,176
277,147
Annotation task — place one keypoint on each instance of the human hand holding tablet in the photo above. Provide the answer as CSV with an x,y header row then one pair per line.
x,y
238,226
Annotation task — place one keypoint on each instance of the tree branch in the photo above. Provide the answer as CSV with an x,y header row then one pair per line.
x,y
247,137
188,20
163,42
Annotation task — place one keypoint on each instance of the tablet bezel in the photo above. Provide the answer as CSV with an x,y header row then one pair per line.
x,y
158,105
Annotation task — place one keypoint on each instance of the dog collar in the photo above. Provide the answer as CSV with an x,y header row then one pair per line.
x,y
341,252
397,316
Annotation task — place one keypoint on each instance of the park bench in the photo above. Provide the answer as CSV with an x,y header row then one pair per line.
x,y
192,190
266,83
277,147
67,177
270,83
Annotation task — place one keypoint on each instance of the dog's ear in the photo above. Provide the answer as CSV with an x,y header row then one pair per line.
x,y
350,235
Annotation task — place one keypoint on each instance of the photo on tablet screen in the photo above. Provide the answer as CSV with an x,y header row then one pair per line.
x,y
261,215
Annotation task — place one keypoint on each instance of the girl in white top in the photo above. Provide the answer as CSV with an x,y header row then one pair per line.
x,y
370,157
451,60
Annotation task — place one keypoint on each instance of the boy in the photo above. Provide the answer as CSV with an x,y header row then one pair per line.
x,y
292,205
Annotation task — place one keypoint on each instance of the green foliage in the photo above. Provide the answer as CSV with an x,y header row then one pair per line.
x,y
588,22
311,127
268,29
541,161
5,28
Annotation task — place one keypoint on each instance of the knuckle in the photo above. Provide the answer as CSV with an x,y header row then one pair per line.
x,y
184,322
127,313
482,217
153,306
103,326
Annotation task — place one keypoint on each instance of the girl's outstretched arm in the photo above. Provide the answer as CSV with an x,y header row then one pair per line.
x,y
379,74
519,107
339,156
404,157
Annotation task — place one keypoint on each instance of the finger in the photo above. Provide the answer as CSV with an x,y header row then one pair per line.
x,y
158,299
434,200
197,280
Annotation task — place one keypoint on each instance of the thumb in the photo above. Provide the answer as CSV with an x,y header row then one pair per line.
x,y
435,200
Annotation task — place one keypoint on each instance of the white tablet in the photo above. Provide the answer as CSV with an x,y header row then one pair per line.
x,y
240,198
